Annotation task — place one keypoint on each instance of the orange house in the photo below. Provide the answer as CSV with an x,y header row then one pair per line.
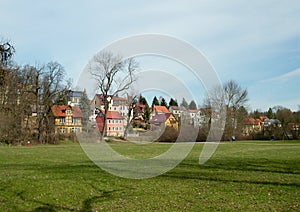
x,y
114,123
67,119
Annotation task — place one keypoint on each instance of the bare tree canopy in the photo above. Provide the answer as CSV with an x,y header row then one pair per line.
x,y
6,52
235,99
113,75
235,95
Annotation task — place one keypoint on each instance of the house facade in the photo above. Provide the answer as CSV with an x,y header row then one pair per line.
x,y
115,123
73,97
67,119
177,111
164,120
251,126
118,104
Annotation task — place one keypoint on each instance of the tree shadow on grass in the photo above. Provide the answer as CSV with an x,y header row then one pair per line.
x,y
238,171
43,206
87,204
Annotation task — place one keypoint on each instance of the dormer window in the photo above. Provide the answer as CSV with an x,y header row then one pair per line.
x,y
68,112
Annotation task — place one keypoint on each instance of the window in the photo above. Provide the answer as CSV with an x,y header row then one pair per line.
x,y
62,120
72,130
68,112
116,128
108,128
108,121
74,120
62,130
120,128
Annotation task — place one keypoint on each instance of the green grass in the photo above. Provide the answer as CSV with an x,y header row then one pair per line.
x,y
251,176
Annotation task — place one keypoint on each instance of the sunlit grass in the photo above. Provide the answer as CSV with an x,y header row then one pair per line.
x,y
241,176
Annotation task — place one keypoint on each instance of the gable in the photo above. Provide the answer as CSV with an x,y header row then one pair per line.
x,y
160,109
61,111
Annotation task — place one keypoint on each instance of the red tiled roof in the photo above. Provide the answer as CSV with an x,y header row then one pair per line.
x,y
110,115
263,118
60,111
76,112
119,99
116,99
141,105
252,121
161,109
113,115
192,111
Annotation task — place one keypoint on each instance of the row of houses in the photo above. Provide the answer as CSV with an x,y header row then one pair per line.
x,y
69,118
253,126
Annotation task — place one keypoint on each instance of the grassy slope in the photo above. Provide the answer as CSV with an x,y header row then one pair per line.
x,y
241,176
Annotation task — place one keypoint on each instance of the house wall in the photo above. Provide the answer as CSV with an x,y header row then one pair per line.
x,y
68,124
115,127
172,122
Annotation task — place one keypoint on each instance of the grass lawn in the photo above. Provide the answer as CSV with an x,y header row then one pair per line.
x,y
251,176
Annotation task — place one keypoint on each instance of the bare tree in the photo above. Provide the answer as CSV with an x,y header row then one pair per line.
x,y
50,85
7,50
113,76
285,116
131,101
235,98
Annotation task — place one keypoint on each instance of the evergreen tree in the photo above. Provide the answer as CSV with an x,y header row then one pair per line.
x,y
142,100
173,102
155,101
192,105
84,104
184,103
146,114
256,114
163,102
270,113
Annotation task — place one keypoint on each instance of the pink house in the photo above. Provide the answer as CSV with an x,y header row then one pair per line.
x,y
114,123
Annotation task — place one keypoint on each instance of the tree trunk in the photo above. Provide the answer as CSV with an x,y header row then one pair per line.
x,y
128,122
106,107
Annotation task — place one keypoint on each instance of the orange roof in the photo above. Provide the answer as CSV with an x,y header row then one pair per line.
x,y
193,111
60,111
252,121
113,115
262,118
161,109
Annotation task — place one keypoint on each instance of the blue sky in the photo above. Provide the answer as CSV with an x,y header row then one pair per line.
x,y
256,43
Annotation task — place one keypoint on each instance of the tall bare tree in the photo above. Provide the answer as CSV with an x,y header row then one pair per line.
x,y
131,101
113,76
50,85
235,99
285,116
7,50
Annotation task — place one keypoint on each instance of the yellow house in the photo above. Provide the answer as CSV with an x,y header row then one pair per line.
x,y
166,119
67,119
